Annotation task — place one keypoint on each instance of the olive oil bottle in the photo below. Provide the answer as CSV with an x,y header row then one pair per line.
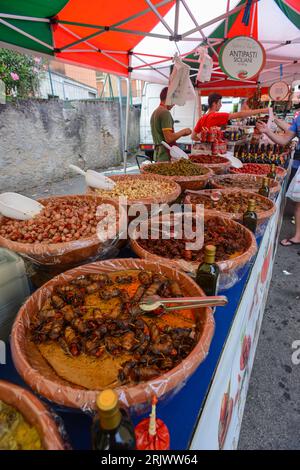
x,y
265,190
208,272
250,216
272,173
112,428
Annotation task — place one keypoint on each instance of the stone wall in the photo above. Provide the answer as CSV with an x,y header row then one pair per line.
x,y
40,138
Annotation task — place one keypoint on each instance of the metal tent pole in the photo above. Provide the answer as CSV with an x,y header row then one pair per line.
x,y
128,82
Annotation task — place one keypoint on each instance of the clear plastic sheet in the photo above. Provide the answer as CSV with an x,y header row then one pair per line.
x,y
163,197
50,428
229,269
72,252
280,172
262,216
217,168
219,182
185,182
42,378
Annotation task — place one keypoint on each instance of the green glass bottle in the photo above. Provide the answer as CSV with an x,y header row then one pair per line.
x,y
272,173
265,190
112,428
208,272
250,216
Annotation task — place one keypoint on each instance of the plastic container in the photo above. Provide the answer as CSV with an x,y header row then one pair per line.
x,y
14,288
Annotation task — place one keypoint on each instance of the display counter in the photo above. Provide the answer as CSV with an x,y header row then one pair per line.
x,y
207,412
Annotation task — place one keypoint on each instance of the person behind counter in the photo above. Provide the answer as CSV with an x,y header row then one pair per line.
x,y
289,134
214,118
162,128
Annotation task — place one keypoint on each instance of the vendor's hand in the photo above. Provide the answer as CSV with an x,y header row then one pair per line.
x,y
186,131
261,127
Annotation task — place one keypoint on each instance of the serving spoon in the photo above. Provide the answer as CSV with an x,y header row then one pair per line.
x,y
155,302
94,179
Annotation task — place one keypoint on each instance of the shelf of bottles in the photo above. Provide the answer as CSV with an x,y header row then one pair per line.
x,y
255,153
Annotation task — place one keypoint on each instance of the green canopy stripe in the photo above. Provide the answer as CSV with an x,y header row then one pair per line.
x,y
35,8
41,31
292,14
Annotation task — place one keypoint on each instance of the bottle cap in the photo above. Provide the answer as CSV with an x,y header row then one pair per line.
x,y
210,249
251,204
107,400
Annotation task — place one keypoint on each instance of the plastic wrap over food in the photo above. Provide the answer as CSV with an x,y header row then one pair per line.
x,y
229,267
70,230
44,379
141,189
185,182
244,182
49,427
216,195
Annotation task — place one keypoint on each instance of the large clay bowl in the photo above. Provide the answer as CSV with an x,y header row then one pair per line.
x,y
185,182
229,269
245,182
34,412
163,197
42,378
72,252
262,216
217,168
280,172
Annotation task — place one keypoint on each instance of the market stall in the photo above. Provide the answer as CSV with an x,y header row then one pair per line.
x,y
207,412
199,374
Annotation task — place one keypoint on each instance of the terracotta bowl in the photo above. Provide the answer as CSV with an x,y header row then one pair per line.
x,y
34,412
42,378
72,252
262,216
280,172
147,201
249,183
217,168
230,269
185,182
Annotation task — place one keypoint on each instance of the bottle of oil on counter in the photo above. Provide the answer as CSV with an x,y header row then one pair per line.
x,y
112,427
265,190
250,216
208,272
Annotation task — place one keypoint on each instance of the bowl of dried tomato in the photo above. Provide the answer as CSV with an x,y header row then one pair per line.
x,y
235,244
244,182
259,169
219,165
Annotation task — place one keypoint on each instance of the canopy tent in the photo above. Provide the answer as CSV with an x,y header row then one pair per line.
x,y
139,38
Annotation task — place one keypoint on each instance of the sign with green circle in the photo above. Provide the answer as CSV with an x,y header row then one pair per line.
x,y
242,58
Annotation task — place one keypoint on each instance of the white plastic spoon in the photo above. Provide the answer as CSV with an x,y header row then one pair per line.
x,y
175,151
235,162
16,206
94,179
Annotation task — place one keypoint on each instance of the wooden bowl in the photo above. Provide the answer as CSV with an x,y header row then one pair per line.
x,y
72,252
262,216
280,172
185,182
244,182
229,269
34,412
217,168
164,197
42,378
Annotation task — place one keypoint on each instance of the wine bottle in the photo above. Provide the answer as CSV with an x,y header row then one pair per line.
x,y
112,428
265,190
208,272
272,172
250,216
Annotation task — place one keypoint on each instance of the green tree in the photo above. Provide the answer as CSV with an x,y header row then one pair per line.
x,y
20,73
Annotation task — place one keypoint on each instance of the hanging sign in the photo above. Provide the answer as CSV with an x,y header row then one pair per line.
x,y
242,58
279,91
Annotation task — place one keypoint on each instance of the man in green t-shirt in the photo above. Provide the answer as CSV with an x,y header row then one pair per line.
x,y
162,128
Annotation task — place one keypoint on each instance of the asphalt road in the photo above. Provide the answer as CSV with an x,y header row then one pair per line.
x,y
272,412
